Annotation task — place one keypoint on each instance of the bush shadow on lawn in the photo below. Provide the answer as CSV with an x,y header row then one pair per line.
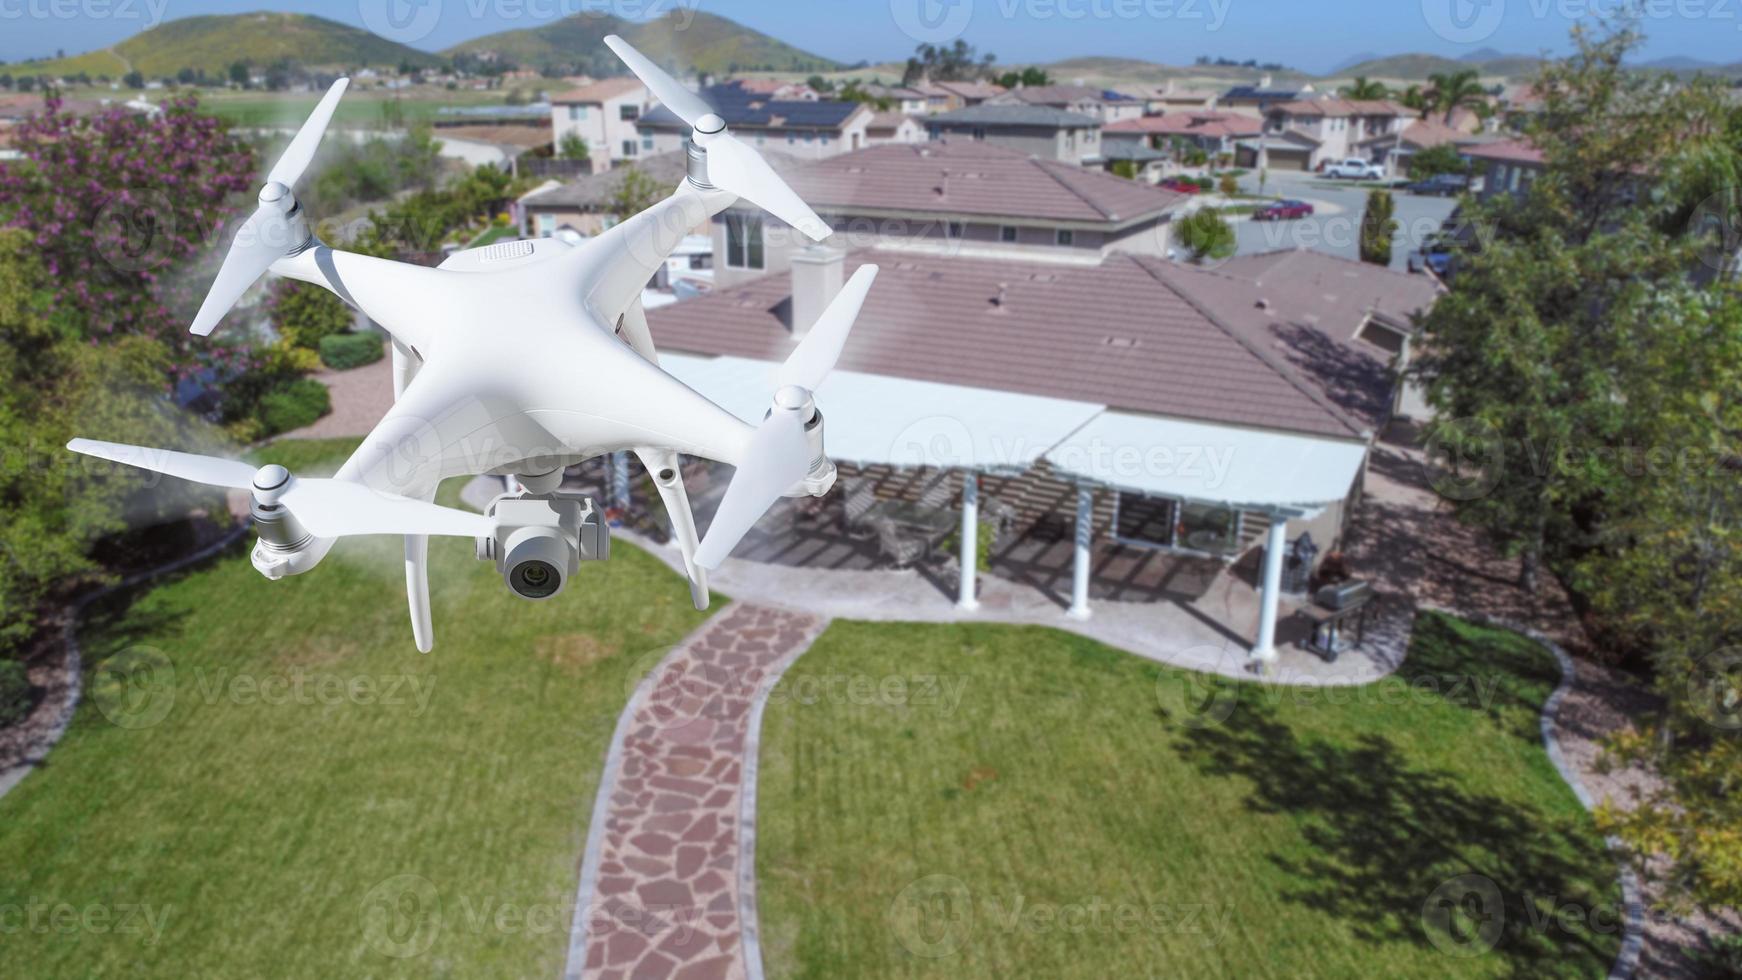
x,y
1392,839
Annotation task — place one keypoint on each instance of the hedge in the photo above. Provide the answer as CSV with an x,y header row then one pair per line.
x,y
14,693
294,405
343,351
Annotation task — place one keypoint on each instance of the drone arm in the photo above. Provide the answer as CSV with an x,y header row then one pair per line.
x,y
403,298
615,266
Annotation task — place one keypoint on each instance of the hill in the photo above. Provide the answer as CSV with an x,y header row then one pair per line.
x,y
709,43
1132,71
214,42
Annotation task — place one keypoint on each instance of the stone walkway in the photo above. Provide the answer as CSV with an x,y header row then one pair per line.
x,y
667,884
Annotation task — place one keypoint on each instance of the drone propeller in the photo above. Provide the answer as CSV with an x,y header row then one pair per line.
x,y
277,227
732,164
779,455
327,508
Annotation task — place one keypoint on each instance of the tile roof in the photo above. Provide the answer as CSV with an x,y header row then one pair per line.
x,y
598,92
1055,94
1422,134
1017,115
1119,333
1506,151
970,90
1342,107
1201,123
595,191
968,177
745,110
886,121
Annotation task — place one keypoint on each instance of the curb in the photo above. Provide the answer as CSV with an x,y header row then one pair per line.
x,y
74,664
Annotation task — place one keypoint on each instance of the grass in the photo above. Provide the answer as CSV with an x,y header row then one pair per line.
x,y
319,796
493,234
1073,811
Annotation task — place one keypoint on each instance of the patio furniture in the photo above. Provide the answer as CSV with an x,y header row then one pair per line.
x,y
857,499
900,545
1332,611
1001,515
933,524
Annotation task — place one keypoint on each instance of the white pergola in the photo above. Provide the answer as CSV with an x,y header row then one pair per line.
x,y
880,420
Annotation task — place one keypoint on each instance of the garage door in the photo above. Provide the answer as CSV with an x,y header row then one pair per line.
x,y
1287,159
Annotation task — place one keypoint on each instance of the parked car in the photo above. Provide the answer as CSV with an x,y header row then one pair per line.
x,y
1435,254
1355,168
1442,185
1283,211
1179,186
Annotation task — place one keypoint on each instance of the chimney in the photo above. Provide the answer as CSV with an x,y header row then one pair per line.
x,y
816,278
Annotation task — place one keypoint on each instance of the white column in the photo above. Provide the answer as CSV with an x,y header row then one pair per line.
x,y
1085,538
1270,586
970,537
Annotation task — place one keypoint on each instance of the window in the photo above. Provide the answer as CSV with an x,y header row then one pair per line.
x,y
546,225
1007,233
628,148
825,139
1066,236
1160,522
647,144
577,113
743,241
979,133
791,138
628,112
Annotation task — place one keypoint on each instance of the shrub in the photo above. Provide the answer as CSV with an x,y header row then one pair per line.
x,y
1378,226
1206,235
343,351
14,693
294,405
1228,184
304,313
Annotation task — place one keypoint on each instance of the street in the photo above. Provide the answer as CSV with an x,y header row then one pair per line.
x,y
1335,226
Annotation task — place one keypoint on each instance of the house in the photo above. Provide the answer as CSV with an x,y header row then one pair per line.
x,y
1043,131
1128,414
894,127
1102,104
1395,149
803,129
1304,134
1508,166
1173,97
954,197
584,205
1132,155
903,99
603,114
775,90
948,96
1213,131
1256,100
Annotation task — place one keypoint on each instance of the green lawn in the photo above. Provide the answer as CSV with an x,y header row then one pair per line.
x,y
319,795
1073,811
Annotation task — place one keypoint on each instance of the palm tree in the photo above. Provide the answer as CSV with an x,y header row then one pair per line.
x,y
1413,98
1448,91
1366,90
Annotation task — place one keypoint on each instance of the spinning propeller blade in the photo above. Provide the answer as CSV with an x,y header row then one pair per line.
x,y
779,454
327,508
270,233
732,164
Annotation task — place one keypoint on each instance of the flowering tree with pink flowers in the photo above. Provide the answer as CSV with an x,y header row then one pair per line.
x,y
123,205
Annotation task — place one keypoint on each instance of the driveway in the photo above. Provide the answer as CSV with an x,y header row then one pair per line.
x,y
1336,228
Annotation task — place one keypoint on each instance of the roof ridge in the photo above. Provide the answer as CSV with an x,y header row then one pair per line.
x,y
1050,172
1269,358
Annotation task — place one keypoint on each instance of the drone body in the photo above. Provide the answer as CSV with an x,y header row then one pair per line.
x,y
521,359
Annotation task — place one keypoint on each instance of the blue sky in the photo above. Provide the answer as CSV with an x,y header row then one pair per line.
x,y
1315,36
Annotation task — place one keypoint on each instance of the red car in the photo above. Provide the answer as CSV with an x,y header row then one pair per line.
x,y
1283,211
1179,186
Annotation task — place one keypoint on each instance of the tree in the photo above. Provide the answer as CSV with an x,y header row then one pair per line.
x,y
1378,227
1030,77
121,204
239,74
303,313
573,147
635,193
1228,185
1206,235
1125,168
1414,98
953,63
133,80
1447,91
1366,89
1435,160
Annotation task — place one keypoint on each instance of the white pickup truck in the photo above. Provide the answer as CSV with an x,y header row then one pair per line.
x,y
1355,168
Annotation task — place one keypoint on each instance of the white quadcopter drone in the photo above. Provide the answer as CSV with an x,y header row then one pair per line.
x,y
519,359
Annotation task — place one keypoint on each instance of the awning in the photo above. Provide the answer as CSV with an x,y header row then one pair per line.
x,y
1246,468
877,419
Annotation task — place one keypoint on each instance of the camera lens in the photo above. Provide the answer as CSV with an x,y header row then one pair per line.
x,y
534,579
